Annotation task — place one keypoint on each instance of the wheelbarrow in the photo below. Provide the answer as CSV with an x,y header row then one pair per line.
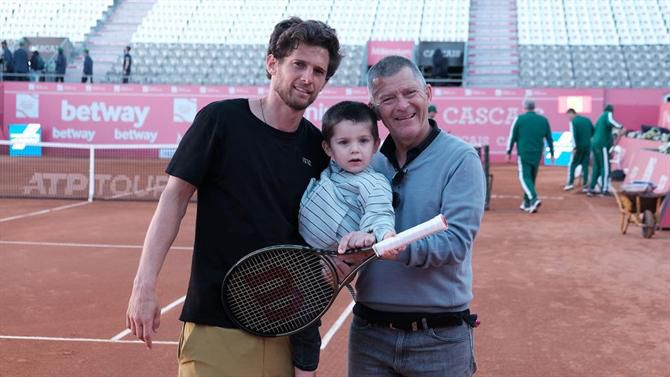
x,y
639,204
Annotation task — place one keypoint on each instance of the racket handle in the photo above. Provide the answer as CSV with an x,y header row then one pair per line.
x,y
425,229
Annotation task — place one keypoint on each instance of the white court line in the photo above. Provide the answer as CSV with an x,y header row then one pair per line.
x,y
165,309
336,326
71,244
117,338
89,340
41,212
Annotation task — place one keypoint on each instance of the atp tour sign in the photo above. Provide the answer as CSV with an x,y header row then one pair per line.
x,y
22,134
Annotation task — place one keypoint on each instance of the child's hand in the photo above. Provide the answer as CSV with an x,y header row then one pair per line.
x,y
393,253
356,240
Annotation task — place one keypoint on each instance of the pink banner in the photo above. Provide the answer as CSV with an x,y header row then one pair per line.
x,y
664,116
628,148
650,165
161,114
377,50
121,114
635,107
485,116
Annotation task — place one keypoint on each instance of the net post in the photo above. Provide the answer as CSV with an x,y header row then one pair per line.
x,y
91,173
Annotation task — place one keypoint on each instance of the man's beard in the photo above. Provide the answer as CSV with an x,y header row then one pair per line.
x,y
292,102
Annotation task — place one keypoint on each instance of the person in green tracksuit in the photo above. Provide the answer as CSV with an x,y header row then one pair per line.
x,y
601,142
581,129
527,132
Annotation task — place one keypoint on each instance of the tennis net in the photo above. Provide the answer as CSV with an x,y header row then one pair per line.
x,y
83,171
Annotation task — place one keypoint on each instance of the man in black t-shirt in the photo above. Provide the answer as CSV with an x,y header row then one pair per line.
x,y
250,161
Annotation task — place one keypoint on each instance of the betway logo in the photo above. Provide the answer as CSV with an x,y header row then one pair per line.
x,y
135,135
101,112
71,133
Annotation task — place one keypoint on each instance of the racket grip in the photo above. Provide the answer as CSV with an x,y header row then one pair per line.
x,y
425,229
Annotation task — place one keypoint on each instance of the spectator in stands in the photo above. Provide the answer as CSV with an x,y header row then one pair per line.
x,y
127,63
432,111
581,129
527,133
250,161
61,64
21,62
601,142
7,62
88,68
411,316
36,65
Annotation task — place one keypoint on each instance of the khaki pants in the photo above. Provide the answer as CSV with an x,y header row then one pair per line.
x,y
206,351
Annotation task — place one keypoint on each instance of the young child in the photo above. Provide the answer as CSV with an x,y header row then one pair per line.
x,y
349,196
348,199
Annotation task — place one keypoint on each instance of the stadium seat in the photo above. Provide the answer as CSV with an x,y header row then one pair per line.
x,y
51,18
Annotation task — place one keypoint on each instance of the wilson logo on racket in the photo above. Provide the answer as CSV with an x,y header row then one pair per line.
x,y
269,290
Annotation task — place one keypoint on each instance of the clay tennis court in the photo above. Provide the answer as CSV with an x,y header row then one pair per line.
x,y
559,293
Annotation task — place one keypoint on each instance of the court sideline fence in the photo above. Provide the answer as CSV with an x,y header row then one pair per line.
x,y
83,171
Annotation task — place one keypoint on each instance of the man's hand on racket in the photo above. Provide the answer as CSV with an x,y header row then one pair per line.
x,y
144,314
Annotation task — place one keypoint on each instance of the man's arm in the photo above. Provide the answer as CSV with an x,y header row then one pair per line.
x,y
512,139
550,141
463,198
143,315
613,122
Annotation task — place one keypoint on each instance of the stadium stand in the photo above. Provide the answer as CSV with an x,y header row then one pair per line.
x,y
235,34
50,18
492,44
550,43
224,42
445,21
598,43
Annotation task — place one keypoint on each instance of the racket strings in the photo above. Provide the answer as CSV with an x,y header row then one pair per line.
x,y
279,291
281,315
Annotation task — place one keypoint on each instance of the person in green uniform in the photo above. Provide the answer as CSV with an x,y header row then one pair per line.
x,y
601,142
581,129
527,133
432,111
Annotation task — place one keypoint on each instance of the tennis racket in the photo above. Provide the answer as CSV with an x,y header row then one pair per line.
x,y
280,290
